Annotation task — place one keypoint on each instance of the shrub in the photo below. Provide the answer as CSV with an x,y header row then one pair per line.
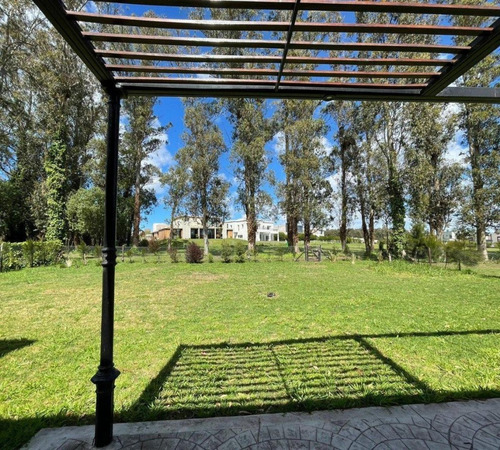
x,y
240,250
174,256
144,243
194,254
82,249
226,252
461,252
17,255
282,236
154,246
210,258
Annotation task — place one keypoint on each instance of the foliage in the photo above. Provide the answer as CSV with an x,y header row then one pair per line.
x,y
240,250
194,254
204,144
226,252
461,252
55,172
16,256
85,212
173,253
154,246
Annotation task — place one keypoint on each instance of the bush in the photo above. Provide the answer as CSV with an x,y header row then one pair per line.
x,y
210,258
154,246
240,250
283,236
174,256
194,254
144,243
226,252
461,252
17,255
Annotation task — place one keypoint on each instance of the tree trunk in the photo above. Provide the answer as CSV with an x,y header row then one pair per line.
x,y
251,225
343,188
371,230
478,200
172,217
307,233
137,209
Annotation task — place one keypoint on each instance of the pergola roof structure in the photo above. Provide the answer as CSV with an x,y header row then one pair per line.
x,y
346,60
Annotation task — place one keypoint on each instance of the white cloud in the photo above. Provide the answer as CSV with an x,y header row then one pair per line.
x,y
156,186
278,143
456,151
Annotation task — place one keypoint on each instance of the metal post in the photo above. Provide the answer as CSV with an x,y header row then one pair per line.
x,y
106,374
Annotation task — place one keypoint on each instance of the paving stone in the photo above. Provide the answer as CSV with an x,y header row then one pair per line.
x,y
297,444
278,444
211,443
365,441
422,433
152,444
246,438
128,440
341,442
199,436
374,435
308,433
349,432
185,445
169,443
324,436
415,444
70,444
276,432
224,435
231,444
438,446
319,446
291,432
388,432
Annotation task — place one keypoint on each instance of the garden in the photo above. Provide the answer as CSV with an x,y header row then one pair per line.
x,y
269,335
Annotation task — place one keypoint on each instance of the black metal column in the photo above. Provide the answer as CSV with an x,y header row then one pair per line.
x,y
106,374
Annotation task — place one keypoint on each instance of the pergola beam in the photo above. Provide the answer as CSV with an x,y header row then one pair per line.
x,y
481,47
265,43
234,25
55,11
328,5
145,56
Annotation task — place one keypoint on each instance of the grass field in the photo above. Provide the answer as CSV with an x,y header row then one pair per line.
x,y
202,340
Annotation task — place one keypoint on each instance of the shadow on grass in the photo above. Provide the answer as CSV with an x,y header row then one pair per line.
x,y
331,372
9,345
342,371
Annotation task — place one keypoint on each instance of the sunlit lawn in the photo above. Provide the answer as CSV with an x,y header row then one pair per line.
x,y
201,340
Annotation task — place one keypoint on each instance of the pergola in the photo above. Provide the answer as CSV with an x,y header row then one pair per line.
x,y
279,63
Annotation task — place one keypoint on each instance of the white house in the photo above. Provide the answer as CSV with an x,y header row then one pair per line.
x,y
185,228
300,229
238,229
449,236
493,238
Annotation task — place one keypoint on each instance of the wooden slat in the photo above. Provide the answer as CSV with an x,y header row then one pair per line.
x,y
249,43
267,72
329,5
249,82
273,59
226,25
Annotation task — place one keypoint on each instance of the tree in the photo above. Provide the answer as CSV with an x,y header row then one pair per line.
x,y
200,158
250,133
54,169
433,183
176,180
480,125
86,214
142,138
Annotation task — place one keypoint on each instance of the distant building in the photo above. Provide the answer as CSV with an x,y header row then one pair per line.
x,y
493,238
449,236
238,229
300,229
185,228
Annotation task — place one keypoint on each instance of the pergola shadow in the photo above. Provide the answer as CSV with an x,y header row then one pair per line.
x,y
9,345
281,376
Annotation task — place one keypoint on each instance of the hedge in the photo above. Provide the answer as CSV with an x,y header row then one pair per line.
x,y
17,255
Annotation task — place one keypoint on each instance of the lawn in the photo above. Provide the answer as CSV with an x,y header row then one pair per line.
x,y
202,340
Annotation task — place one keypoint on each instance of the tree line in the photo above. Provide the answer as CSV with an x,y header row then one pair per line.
x,y
386,163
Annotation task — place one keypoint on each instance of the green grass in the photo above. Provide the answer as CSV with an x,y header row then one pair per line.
x,y
203,340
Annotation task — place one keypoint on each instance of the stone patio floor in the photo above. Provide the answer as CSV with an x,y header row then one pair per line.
x,y
456,425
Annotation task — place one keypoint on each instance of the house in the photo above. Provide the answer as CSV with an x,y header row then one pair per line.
x,y
449,236
185,228
238,229
493,238
300,229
